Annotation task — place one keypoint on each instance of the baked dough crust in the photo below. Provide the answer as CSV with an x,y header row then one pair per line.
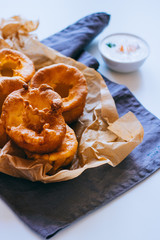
x,y
33,118
15,64
7,85
71,85
63,155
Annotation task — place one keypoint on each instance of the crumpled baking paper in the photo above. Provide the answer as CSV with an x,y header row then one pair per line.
x,y
103,137
13,30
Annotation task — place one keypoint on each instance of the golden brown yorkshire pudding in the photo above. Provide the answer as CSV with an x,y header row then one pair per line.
x,y
15,64
33,118
71,85
7,85
63,155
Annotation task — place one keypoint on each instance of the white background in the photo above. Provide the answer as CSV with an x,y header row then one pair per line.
x,y
135,214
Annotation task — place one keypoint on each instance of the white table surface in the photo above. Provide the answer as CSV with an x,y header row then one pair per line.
x,y
135,214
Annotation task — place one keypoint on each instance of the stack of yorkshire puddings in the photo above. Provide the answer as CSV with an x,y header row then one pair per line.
x,y
36,107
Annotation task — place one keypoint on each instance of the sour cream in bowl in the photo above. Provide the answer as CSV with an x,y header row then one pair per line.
x,y
123,52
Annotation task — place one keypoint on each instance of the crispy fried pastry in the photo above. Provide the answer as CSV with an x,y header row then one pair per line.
x,y
15,64
7,85
71,85
33,118
63,155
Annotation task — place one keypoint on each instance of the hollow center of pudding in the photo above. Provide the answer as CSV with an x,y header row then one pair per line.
x,y
62,89
7,69
33,121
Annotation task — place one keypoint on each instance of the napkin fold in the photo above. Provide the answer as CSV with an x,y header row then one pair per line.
x,y
48,208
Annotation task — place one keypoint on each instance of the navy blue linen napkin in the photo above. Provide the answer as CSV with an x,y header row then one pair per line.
x,y
48,208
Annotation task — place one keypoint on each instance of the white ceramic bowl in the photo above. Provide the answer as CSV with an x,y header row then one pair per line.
x,y
123,61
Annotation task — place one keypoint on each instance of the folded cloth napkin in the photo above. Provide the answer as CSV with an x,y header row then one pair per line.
x,y
48,208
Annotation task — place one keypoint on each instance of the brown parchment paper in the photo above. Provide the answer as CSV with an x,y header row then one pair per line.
x,y
103,137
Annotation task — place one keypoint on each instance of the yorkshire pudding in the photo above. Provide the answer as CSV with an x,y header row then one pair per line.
x,y
7,85
33,118
15,64
71,85
63,155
